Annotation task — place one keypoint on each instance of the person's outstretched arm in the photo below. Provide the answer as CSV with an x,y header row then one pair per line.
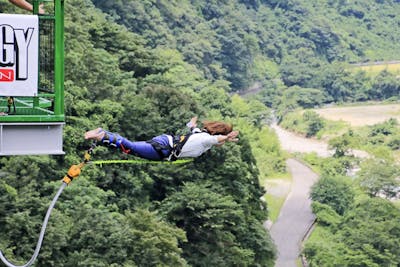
x,y
231,137
192,123
26,5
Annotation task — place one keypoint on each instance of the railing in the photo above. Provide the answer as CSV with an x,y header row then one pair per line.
x,y
48,105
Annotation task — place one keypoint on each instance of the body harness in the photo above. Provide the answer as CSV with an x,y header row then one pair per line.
x,y
165,152
178,141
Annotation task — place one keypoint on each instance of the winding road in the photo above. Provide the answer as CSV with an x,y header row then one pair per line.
x,y
296,217
295,143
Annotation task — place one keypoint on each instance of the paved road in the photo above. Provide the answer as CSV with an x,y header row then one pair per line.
x,y
296,143
295,217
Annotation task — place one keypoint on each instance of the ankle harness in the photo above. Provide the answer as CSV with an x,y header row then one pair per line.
x,y
114,140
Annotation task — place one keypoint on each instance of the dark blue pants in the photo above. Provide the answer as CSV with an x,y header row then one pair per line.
x,y
139,148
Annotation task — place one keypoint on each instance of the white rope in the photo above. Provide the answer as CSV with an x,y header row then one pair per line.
x,y
41,236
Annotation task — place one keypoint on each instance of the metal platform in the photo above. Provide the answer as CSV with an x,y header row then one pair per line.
x,y
32,82
39,138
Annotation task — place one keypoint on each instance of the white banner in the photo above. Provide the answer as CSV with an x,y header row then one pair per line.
x,y
19,46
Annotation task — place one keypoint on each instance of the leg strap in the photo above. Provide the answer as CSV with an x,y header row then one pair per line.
x,y
111,139
114,140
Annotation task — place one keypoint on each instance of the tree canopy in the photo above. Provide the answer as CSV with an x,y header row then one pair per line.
x,y
142,68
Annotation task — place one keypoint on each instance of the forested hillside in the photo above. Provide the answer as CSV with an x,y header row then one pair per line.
x,y
142,68
205,213
297,50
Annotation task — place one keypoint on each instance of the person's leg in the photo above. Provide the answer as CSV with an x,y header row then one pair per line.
x,y
140,149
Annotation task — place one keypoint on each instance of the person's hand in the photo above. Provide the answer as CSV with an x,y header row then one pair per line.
x,y
41,9
232,136
192,123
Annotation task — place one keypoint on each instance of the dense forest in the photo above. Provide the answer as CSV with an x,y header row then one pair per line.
x,y
142,68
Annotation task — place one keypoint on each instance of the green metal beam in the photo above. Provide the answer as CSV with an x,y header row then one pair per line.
x,y
59,58
36,108
33,118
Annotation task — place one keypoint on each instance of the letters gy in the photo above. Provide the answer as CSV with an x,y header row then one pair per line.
x,y
14,44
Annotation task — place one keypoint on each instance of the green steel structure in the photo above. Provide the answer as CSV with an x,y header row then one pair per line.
x,y
34,125
48,105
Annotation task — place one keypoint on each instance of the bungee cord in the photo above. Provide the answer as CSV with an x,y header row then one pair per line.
x,y
73,172
41,236
138,161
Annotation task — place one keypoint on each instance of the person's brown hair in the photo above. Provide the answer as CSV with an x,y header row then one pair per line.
x,y
217,127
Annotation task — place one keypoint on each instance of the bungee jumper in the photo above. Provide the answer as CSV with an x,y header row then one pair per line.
x,y
26,5
158,149
169,147
10,103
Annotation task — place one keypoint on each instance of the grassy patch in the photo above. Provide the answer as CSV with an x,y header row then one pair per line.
x,y
299,263
270,162
396,155
311,160
397,203
294,122
332,129
361,115
274,206
277,188
375,69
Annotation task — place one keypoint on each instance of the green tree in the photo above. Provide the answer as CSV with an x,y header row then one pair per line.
x,y
385,85
379,178
336,166
325,252
341,145
215,227
371,231
314,122
251,110
326,215
209,220
386,128
153,242
298,69
335,192
304,97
